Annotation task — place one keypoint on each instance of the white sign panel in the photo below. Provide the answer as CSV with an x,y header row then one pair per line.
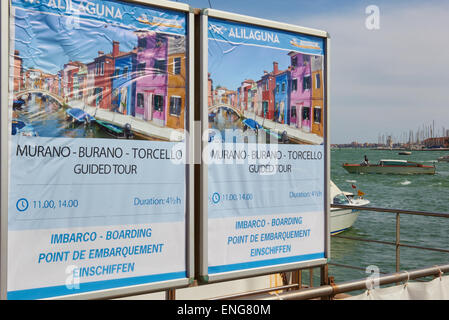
x,y
266,151
97,192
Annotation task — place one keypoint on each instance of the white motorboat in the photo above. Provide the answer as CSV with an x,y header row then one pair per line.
x,y
342,219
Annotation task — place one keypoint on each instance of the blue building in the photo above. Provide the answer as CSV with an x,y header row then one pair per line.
x,y
282,97
124,84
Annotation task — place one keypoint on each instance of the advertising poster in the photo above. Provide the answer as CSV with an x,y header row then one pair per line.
x,y
97,189
266,150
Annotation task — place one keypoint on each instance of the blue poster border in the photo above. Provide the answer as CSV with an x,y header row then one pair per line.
x,y
264,263
57,291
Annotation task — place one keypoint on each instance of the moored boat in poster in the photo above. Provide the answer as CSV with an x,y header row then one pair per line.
x,y
19,127
78,115
115,130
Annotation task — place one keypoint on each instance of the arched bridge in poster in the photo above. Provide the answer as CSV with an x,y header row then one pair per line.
x,y
216,107
59,99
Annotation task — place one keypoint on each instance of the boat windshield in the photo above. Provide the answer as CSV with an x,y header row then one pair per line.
x,y
340,199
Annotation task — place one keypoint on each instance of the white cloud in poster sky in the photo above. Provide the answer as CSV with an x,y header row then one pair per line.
x,y
391,80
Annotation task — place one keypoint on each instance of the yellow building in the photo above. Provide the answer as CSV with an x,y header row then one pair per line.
x,y
176,82
317,96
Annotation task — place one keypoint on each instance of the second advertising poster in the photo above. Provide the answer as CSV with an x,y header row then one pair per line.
x,y
265,147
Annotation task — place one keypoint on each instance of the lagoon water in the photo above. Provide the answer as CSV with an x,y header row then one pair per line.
x,y
48,119
408,192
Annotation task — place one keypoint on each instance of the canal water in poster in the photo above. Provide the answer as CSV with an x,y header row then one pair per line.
x,y
266,153
97,173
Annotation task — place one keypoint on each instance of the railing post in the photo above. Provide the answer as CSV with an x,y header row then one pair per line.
x,y
324,279
398,239
311,278
324,275
170,294
297,278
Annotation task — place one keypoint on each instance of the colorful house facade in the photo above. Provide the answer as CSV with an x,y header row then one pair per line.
x,y
210,90
104,70
268,89
239,104
55,84
294,96
252,100
80,82
282,97
123,83
317,95
18,72
90,98
231,97
152,77
70,70
258,104
301,91
33,79
176,90
245,94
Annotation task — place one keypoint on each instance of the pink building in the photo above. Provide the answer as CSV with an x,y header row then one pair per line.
x,y
152,77
301,91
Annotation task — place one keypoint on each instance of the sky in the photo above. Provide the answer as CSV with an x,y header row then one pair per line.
x,y
49,38
36,45
386,81
244,62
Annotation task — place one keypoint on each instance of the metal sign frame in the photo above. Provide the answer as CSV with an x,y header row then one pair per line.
x,y
5,129
204,276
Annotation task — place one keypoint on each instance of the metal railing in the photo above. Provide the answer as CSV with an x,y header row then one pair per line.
x,y
398,244
334,289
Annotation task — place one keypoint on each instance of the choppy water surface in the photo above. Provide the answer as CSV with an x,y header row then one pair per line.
x,y
409,192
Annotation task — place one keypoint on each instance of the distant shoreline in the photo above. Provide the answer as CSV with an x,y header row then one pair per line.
x,y
386,148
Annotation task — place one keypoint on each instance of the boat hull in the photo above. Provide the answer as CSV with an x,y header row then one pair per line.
x,y
355,168
78,115
114,130
342,219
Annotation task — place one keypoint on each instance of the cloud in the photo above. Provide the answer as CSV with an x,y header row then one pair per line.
x,y
389,80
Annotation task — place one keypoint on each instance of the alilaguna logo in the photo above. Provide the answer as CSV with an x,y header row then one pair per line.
x,y
242,33
247,34
85,7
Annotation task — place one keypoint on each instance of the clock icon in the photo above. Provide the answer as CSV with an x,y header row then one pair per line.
x,y
216,198
22,204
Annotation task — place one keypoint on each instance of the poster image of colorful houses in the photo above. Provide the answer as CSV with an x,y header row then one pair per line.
x,y
279,89
121,75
